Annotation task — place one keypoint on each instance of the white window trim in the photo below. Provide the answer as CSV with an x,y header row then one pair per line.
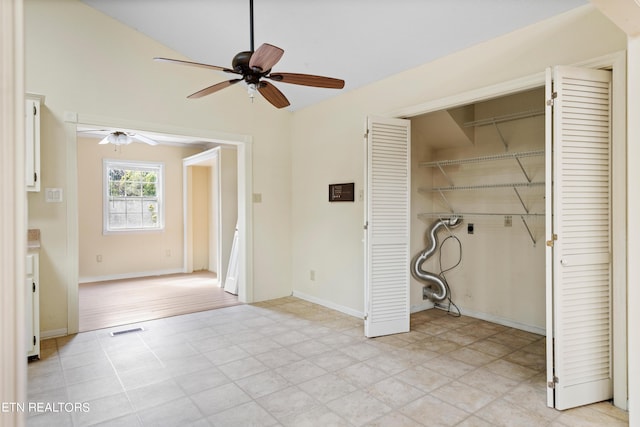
x,y
132,164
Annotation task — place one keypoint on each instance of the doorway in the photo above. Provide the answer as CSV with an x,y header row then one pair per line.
x,y
74,121
210,191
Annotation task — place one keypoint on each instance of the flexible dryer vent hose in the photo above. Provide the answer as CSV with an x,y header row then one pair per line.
x,y
436,289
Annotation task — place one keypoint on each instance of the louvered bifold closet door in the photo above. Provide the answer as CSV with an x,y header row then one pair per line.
x,y
582,223
387,223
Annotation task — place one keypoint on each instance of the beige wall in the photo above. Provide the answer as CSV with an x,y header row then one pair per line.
x,y
327,144
129,254
201,193
87,63
201,233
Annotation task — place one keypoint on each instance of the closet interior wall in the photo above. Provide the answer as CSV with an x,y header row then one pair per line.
x,y
501,277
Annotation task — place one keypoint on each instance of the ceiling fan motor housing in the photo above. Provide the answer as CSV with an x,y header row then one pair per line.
x,y
250,75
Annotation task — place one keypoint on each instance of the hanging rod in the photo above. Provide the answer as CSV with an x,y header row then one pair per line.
x,y
504,118
481,187
520,155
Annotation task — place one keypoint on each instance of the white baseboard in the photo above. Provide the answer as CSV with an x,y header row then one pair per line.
x,y
425,305
329,304
54,333
502,321
130,275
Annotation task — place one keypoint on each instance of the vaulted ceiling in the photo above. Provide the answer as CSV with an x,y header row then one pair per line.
x,y
360,41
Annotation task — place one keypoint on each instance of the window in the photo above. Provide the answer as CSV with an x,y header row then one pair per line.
x,y
132,196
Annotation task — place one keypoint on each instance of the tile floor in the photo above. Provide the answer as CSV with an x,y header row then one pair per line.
x,y
288,362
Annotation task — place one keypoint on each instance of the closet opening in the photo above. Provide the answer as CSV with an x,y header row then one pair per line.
x,y
478,187
530,182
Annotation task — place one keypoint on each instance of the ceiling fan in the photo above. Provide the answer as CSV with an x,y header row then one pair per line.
x,y
118,137
255,65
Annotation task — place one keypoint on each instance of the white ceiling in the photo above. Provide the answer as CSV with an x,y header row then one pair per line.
x,y
360,41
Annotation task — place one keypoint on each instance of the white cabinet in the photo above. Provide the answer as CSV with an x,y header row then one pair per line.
x,y
32,298
32,141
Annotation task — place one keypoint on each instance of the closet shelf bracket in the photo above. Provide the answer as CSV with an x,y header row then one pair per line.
x,y
445,175
521,201
446,202
524,221
504,142
524,172
528,229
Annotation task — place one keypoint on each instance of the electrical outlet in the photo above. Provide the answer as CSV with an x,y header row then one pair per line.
x,y
98,258
508,221
168,252
469,228
312,275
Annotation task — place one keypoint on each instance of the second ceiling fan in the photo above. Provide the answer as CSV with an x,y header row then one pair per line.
x,y
254,66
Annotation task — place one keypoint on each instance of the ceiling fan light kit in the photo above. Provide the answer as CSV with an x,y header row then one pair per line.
x,y
255,65
119,137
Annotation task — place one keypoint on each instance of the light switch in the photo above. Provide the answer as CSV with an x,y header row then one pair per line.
x,y
53,195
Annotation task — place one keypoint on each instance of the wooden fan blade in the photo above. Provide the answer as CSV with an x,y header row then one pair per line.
x,y
214,88
265,57
307,80
273,95
196,64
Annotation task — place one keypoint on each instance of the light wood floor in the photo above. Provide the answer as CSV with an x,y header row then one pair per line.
x,y
120,302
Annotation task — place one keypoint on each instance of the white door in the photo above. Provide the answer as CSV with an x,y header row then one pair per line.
x,y
387,224
231,279
579,368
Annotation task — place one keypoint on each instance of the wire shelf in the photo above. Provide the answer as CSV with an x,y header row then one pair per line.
x,y
481,187
504,156
473,214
